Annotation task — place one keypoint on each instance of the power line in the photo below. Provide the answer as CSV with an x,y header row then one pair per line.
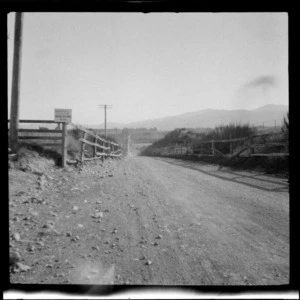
x,y
105,106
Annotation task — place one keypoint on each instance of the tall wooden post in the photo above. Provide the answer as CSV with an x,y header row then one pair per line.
x,y
213,147
64,144
14,111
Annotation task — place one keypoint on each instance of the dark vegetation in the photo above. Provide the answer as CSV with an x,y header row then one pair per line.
x,y
193,139
47,153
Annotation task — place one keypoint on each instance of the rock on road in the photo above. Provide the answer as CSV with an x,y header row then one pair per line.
x,y
159,221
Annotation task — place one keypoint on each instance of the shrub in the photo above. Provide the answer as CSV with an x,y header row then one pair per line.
x,y
194,138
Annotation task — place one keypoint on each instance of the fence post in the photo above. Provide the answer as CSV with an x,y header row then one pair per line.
x,y
82,149
103,151
231,149
95,147
251,146
213,147
64,145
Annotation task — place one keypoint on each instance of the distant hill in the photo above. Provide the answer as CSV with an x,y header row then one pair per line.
x,y
212,117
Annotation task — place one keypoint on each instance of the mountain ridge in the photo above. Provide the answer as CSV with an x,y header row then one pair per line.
x,y
267,115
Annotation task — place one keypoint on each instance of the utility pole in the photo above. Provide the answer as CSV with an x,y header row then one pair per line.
x,y
14,110
105,106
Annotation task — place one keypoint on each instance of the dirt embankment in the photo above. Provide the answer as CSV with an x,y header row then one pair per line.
x,y
147,221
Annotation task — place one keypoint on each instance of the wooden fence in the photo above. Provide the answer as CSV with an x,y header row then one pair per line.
x,y
107,148
236,147
58,138
59,135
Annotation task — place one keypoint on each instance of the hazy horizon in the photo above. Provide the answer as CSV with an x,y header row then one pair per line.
x,y
149,66
189,112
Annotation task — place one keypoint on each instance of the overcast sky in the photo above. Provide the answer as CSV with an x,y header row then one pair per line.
x,y
149,65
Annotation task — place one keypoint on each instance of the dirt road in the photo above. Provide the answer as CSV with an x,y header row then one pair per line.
x,y
154,221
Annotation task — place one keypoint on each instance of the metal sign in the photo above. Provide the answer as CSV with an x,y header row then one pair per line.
x,y
63,115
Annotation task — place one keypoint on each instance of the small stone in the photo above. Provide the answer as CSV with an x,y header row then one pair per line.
x,y
55,231
48,226
22,268
68,234
75,208
16,236
14,257
49,266
97,215
33,212
148,262
155,243
159,237
40,243
80,225
31,248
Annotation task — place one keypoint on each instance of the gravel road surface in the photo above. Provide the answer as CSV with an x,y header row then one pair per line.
x,y
151,221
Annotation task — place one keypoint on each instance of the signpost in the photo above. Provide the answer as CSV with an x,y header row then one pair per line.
x,y
63,116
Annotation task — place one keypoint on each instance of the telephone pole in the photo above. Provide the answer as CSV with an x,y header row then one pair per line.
x,y
105,106
14,110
